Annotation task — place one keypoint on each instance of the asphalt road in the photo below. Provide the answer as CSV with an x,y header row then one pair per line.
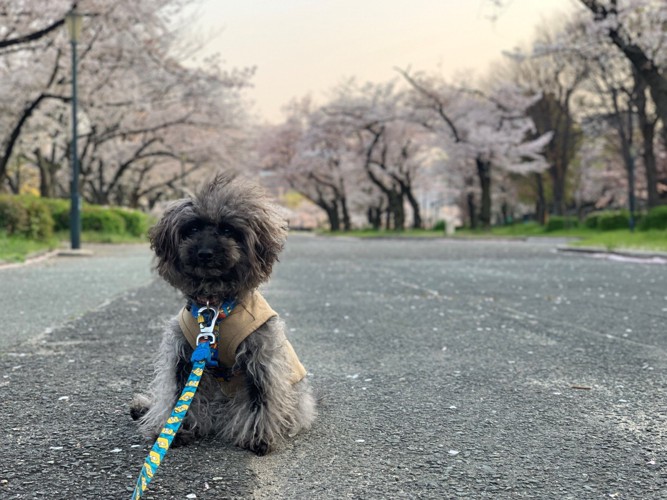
x,y
38,297
446,369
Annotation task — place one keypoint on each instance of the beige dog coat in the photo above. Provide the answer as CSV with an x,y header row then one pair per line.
x,y
244,319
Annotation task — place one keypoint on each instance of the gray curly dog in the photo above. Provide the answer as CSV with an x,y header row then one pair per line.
x,y
219,246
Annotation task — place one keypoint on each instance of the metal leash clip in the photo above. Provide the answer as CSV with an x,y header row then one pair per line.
x,y
206,331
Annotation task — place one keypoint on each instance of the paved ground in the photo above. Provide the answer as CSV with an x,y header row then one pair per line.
x,y
39,296
446,369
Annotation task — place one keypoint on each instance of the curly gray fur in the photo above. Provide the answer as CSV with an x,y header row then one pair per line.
x,y
246,233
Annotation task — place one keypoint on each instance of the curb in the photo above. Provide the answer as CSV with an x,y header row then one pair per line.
x,y
79,252
660,257
45,255
30,259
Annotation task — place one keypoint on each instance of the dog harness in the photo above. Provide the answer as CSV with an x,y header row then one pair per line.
x,y
244,319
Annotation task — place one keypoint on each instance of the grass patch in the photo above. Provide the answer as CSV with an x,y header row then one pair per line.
x,y
17,248
655,240
103,237
372,233
528,229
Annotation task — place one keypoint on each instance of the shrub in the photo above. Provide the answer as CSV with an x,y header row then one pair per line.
x,y
136,222
592,220
609,221
59,211
13,215
37,218
101,219
40,222
115,220
440,225
558,222
656,218
26,216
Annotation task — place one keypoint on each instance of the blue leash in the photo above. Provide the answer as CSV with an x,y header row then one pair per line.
x,y
205,354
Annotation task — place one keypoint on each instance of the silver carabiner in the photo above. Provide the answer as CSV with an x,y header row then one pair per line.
x,y
206,331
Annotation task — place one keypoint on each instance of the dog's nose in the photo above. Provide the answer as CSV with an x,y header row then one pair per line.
x,y
205,254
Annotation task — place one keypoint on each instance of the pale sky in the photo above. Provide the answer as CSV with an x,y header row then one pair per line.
x,y
303,47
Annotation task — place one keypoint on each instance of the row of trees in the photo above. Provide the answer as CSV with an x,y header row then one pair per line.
x,y
146,122
574,122
371,148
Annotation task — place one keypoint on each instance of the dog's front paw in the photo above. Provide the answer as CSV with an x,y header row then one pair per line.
x,y
259,448
137,413
182,439
139,406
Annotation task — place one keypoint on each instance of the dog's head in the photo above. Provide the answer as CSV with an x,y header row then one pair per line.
x,y
222,243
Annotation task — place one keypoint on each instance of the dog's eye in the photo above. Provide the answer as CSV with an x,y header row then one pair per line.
x,y
225,231
190,230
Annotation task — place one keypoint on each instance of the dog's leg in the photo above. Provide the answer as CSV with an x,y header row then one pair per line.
x,y
270,407
171,367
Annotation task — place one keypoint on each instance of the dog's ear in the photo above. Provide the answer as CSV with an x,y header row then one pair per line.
x,y
164,236
267,238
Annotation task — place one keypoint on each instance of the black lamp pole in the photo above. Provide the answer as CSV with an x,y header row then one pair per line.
x,y
73,22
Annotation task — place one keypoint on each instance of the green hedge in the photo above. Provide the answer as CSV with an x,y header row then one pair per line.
x,y
136,223
557,222
38,218
101,219
609,221
59,211
25,216
591,220
656,218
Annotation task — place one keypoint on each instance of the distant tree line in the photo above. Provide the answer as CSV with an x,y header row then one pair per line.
x,y
571,124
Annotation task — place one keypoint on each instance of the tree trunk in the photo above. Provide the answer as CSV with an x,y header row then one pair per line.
x,y
650,166
647,128
47,171
347,224
398,211
484,175
557,190
540,202
332,215
414,204
10,142
472,209
374,215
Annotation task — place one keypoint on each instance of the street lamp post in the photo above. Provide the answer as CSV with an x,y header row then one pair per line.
x,y
73,22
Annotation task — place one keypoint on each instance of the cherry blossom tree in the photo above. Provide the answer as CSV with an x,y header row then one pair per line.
x,y
558,75
147,122
389,144
622,88
30,68
485,129
629,35
636,27
604,181
311,153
